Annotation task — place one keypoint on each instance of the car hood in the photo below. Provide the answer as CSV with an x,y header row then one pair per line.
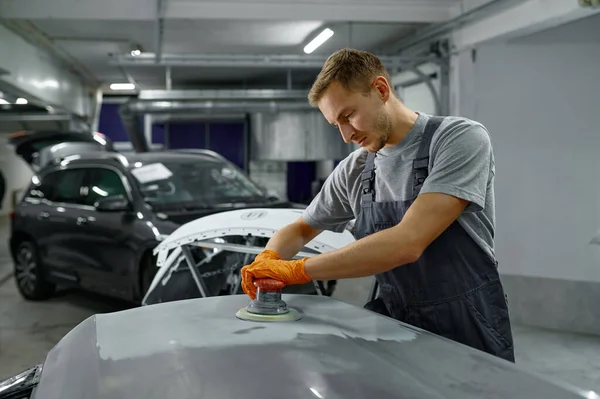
x,y
198,349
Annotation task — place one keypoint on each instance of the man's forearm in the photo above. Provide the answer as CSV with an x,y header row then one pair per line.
x,y
371,255
288,241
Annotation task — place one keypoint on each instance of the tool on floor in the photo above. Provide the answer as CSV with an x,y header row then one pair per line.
x,y
268,305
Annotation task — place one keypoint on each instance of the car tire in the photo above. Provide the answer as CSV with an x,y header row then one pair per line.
x,y
29,275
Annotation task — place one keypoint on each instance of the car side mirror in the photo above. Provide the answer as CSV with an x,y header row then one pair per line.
x,y
115,203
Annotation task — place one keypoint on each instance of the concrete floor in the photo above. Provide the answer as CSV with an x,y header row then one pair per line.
x,y
28,330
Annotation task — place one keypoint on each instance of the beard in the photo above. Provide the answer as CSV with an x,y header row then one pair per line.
x,y
383,130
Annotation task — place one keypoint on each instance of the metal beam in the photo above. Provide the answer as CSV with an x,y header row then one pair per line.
x,y
16,117
168,80
294,61
435,31
193,117
411,11
158,43
525,18
197,95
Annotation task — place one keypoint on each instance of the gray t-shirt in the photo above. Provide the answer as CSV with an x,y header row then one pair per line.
x,y
461,163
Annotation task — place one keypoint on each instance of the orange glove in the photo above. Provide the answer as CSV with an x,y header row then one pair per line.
x,y
268,264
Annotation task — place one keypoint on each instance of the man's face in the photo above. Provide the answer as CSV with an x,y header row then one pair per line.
x,y
360,118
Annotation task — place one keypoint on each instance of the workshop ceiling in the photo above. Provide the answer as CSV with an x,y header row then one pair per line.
x,y
90,31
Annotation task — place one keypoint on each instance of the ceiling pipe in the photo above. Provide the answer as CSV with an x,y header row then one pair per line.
x,y
223,94
159,33
211,107
295,61
436,30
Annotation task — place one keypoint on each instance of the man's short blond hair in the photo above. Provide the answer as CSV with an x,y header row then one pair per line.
x,y
353,69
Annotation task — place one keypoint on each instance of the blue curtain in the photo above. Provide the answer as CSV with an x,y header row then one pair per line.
x,y
110,123
187,135
227,139
300,176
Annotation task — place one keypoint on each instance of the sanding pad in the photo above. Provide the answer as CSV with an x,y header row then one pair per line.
x,y
291,315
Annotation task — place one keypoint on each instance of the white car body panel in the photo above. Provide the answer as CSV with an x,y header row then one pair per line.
x,y
261,222
258,222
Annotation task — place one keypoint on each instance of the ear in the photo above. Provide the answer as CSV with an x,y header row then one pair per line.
x,y
382,87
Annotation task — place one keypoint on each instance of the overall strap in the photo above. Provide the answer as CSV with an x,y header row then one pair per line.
x,y
368,181
421,162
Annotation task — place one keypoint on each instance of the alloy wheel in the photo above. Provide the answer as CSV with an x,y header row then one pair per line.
x,y
25,269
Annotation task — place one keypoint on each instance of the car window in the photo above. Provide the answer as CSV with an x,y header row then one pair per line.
x,y
42,187
104,183
66,186
194,183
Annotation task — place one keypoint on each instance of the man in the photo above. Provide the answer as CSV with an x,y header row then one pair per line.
x,y
421,189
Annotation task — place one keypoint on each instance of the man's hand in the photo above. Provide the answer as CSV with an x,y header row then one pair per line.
x,y
267,264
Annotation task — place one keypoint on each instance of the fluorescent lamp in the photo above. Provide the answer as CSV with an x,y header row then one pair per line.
x,y
122,86
3,101
317,41
21,100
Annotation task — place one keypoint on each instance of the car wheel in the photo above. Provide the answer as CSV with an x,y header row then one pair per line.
x,y
28,273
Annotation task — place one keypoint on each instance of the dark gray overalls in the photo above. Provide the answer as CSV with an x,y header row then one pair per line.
x,y
454,289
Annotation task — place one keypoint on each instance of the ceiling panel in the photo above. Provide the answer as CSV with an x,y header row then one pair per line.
x,y
91,42
94,32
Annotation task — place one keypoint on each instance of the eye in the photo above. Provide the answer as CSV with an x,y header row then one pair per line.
x,y
349,115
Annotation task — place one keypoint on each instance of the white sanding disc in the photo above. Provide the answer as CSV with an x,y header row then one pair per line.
x,y
291,315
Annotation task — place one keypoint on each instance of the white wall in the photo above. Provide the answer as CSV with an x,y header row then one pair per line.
x,y
540,98
16,173
418,97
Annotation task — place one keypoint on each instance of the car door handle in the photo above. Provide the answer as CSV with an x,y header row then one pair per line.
x,y
81,220
43,215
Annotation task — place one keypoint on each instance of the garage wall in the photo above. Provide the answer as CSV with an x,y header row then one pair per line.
x,y
538,96
418,96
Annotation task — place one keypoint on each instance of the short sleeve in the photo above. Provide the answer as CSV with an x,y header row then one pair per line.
x,y
331,209
461,163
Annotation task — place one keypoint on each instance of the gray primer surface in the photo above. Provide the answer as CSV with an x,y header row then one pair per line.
x,y
199,349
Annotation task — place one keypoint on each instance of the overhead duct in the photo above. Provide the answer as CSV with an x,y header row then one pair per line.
x,y
223,95
283,125
269,61
212,107
134,129
14,121
295,136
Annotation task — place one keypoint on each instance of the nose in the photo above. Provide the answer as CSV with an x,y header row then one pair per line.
x,y
347,131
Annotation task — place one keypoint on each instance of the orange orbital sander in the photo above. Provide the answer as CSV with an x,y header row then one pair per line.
x,y
268,305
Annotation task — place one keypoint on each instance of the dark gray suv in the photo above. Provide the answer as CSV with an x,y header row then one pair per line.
x,y
91,220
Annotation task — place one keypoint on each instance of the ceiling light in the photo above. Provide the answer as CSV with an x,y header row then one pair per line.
x,y
21,100
3,101
122,86
317,41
